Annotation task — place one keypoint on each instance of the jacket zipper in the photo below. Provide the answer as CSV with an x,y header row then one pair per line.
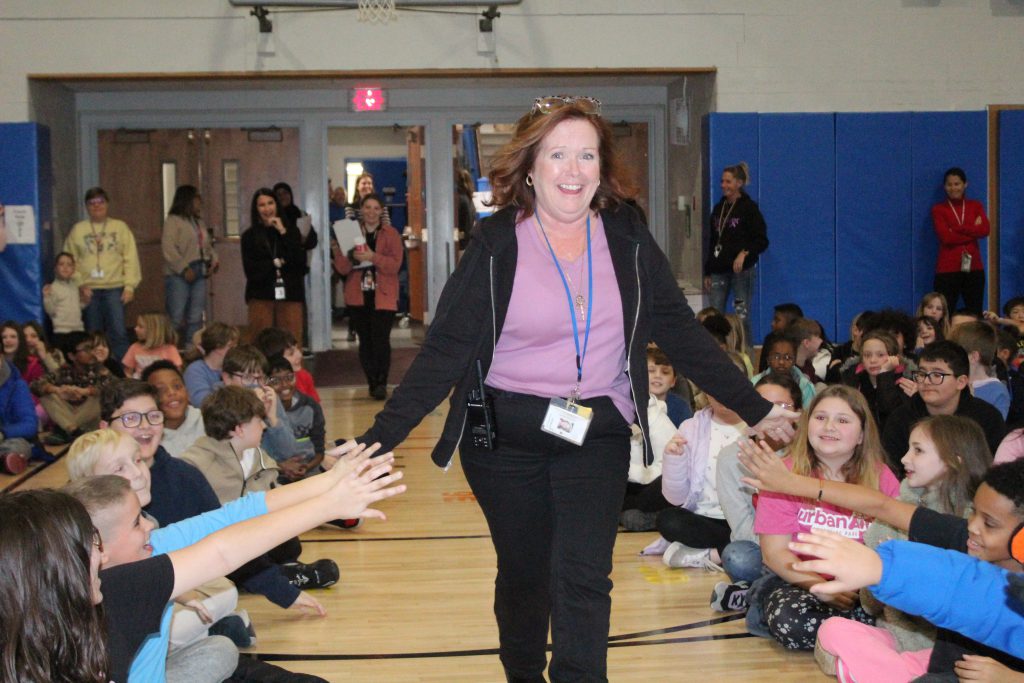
x,y
494,343
629,352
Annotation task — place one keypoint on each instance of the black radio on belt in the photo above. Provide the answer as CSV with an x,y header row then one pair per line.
x,y
480,415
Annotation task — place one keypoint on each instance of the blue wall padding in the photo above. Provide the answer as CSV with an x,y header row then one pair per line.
x,y
730,139
25,180
798,199
1011,206
940,140
874,266
848,197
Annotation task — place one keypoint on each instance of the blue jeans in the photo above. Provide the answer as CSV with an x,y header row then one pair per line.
x,y
105,313
742,286
186,302
742,561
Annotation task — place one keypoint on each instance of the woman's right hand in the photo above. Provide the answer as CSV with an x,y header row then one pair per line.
x,y
277,224
767,472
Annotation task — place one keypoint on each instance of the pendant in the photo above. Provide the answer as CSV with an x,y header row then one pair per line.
x,y
718,250
581,304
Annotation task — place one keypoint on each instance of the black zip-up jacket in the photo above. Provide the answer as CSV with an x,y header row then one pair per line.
x,y
260,246
745,229
472,310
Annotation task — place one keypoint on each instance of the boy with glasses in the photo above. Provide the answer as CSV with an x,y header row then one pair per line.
x,y
70,395
305,417
780,353
244,366
942,389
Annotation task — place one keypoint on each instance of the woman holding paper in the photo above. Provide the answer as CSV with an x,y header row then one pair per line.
x,y
274,262
371,290
549,312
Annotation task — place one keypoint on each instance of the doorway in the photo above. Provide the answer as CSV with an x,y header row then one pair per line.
x,y
140,170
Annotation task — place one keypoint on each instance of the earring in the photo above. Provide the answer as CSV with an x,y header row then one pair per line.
x,y
529,180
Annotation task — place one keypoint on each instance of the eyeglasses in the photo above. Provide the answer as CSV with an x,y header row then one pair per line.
x,y
278,380
133,419
781,356
96,201
249,380
933,377
550,103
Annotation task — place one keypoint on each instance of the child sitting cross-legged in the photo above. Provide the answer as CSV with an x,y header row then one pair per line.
x,y
946,452
156,341
202,376
305,417
183,422
274,341
837,441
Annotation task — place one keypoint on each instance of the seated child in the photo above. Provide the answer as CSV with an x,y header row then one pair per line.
x,y
783,315
879,376
837,441
183,422
644,499
71,394
18,425
305,417
157,340
780,354
742,559
62,299
979,340
934,307
202,376
244,366
101,349
274,341
1013,310
661,379
806,333
737,341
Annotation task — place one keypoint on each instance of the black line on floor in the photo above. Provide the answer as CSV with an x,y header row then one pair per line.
x,y
676,629
357,538
270,657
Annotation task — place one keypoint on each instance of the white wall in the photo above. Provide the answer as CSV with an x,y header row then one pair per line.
x,y
772,55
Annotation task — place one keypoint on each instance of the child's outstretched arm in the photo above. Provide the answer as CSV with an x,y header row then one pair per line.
x,y
351,491
768,473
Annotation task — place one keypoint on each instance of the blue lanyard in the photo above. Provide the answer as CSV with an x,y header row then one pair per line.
x,y
568,296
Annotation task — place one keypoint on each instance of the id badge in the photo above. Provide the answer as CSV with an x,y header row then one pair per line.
x,y
96,274
279,290
718,250
568,421
965,262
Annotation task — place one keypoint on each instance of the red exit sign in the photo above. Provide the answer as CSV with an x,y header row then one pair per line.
x,y
369,99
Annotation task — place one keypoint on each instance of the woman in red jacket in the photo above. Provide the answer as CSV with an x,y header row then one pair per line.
x,y
959,224
371,291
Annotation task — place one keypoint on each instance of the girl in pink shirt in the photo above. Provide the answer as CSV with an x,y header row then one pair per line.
x,y
838,440
156,341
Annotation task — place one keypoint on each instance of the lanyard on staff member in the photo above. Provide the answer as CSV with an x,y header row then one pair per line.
x,y
565,418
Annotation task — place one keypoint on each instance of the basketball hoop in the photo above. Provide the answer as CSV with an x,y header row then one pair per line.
x,y
377,11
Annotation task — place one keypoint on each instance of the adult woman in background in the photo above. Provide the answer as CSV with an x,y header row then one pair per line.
x,y
189,259
274,262
738,237
465,214
371,291
364,188
559,292
959,223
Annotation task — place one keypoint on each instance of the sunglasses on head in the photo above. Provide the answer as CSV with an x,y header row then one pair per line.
x,y
550,103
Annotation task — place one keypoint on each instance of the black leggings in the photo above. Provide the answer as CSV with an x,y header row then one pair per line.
x,y
645,497
969,285
697,531
374,329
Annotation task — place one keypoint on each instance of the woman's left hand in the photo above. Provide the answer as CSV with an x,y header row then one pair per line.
x,y
778,425
737,264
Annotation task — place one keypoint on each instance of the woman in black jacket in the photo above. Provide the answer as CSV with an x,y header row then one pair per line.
x,y
274,261
738,238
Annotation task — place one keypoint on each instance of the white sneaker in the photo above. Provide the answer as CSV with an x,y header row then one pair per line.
x,y
679,555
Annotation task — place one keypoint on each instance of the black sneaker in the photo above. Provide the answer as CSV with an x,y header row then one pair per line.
x,y
319,574
638,520
730,597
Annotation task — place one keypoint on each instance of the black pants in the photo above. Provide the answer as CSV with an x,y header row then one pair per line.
x,y
969,285
645,497
679,525
552,509
374,330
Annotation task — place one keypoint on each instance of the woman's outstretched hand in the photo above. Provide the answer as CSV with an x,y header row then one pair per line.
x,y
777,425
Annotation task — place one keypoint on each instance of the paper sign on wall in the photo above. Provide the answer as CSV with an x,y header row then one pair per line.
x,y
21,224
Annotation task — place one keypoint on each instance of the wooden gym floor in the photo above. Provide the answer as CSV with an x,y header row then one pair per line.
x,y
414,600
